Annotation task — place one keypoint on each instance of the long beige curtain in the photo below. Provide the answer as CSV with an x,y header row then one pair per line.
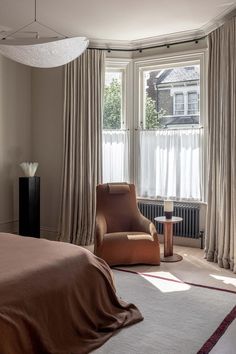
x,y
83,94
221,213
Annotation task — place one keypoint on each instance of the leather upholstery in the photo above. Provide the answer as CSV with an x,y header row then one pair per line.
x,y
123,234
121,188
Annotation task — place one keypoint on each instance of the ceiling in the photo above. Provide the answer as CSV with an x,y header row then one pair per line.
x,y
116,20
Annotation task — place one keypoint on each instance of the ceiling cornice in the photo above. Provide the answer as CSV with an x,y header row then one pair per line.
x,y
166,39
219,20
146,42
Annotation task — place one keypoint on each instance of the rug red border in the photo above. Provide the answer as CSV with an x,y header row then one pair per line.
x,y
211,342
175,280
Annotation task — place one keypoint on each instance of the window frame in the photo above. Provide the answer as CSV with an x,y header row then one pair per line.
x,y
126,66
123,96
164,62
122,66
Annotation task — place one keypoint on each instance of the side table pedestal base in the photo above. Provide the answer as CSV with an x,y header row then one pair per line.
x,y
174,258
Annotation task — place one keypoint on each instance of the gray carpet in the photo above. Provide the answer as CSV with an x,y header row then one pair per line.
x,y
178,319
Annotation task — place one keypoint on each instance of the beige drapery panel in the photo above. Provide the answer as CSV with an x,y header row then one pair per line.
x,y
82,129
221,213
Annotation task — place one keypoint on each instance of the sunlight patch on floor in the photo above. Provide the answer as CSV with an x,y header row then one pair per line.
x,y
225,280
166,286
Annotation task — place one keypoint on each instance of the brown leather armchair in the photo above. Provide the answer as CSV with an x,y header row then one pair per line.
x,y
123,234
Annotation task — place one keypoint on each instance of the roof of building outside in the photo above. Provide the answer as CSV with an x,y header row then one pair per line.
x,y
183,74
176,120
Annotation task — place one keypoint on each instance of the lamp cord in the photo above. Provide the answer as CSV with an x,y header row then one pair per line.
x,y
19,29
35,10
35,21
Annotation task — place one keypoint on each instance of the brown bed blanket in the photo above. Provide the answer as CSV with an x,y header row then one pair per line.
x,y
56,298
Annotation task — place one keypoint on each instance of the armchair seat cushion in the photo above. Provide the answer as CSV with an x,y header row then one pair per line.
x,y
127,236
129,248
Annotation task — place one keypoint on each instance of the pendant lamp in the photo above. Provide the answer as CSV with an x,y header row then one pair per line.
x,y
42,52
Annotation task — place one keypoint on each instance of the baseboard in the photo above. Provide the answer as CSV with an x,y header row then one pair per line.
x,y
13,228
52,234
49,233
8,226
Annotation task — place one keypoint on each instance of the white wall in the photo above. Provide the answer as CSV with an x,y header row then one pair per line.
x,y
47,106
31,102
15,144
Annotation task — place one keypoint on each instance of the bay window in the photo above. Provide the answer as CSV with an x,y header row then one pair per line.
x,y
160,147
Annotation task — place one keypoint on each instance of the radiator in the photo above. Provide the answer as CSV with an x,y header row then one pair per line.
x,y
190,212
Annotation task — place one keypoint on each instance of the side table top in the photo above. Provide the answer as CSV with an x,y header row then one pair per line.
x,y
173,220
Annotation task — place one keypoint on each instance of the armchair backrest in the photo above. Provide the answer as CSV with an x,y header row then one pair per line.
x,y
117,203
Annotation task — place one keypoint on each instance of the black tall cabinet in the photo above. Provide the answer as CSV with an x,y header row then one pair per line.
x,y
29,206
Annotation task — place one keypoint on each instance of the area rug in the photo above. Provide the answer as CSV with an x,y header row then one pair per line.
x,y
179,318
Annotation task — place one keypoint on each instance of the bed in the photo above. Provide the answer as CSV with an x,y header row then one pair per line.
x,y
56,298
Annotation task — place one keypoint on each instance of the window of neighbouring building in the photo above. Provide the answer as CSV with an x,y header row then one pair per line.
x,y
179,104
193,103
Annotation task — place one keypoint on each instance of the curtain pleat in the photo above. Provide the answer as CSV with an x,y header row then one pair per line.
x,y
221,210
82,129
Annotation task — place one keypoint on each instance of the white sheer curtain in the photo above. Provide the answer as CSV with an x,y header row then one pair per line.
x,y
115,152
170,163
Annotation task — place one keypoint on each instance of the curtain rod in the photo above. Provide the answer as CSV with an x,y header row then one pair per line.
x,y
196,40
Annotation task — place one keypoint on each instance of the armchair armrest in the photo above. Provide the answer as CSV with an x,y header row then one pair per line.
x,y
142,224
100,230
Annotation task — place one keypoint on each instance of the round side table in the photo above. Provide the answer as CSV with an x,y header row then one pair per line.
x,y
168,255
